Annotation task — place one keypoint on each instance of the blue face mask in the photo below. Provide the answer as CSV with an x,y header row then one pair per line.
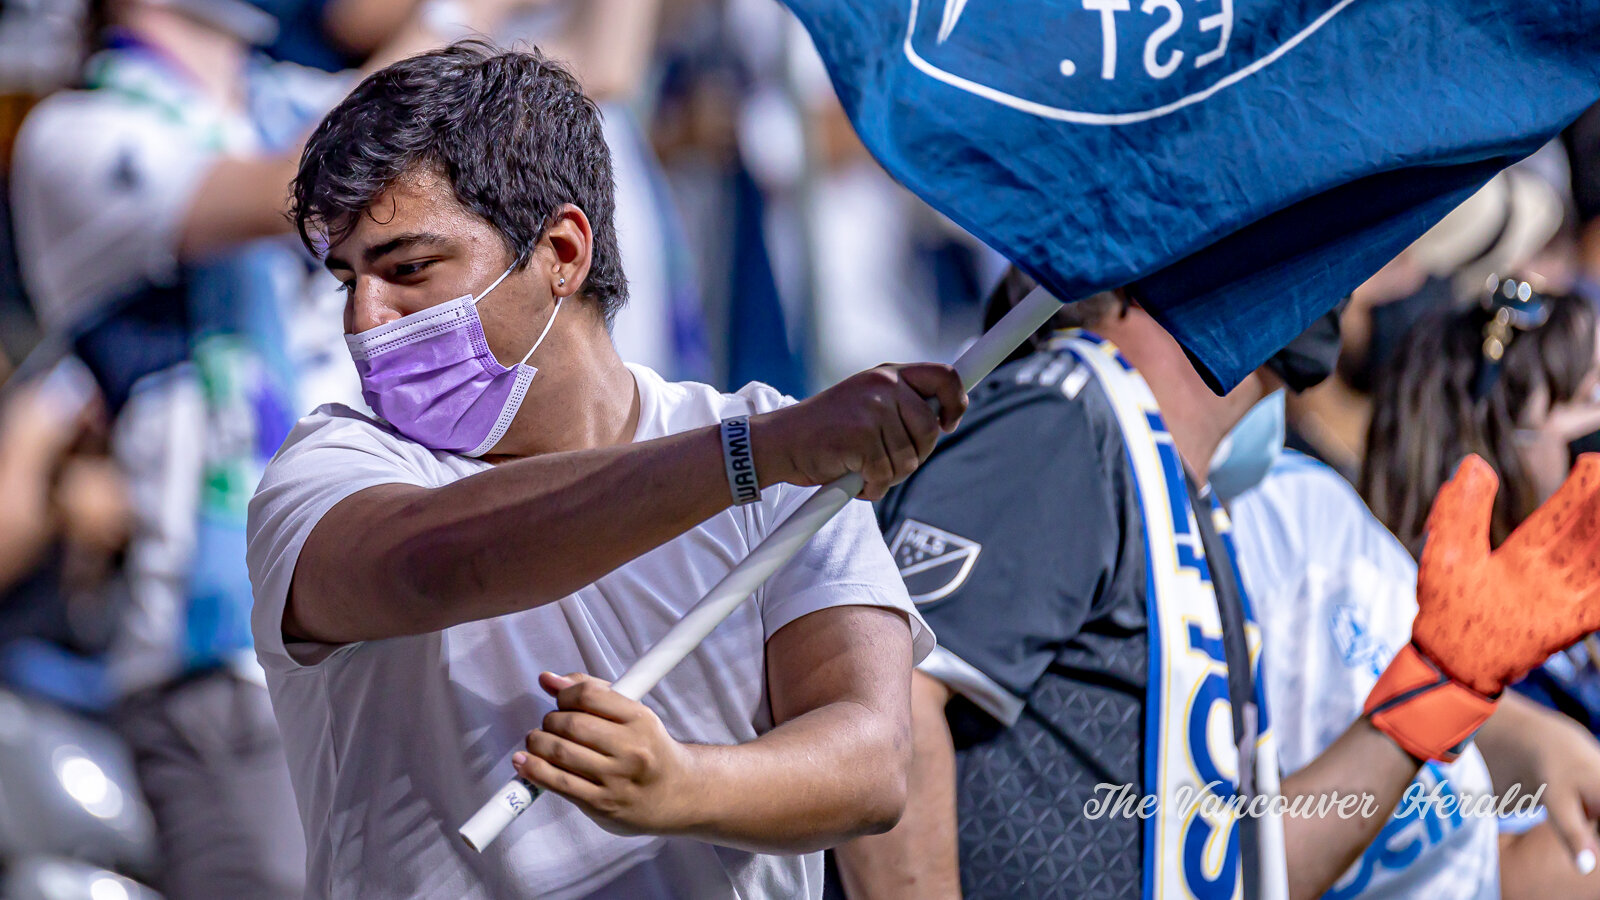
x,y
1249,450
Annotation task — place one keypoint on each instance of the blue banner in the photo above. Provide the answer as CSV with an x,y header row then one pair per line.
x,y
1240,164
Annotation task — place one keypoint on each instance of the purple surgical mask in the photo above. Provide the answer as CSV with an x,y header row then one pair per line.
x,y
432,376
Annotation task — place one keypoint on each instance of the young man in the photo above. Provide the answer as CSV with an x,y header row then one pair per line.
x,y
420,577
1089,659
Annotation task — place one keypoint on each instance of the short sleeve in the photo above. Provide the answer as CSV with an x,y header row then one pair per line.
x,y
328,456
1006,540
100,191
845,564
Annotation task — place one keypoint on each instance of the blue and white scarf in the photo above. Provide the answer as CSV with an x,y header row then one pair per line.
x,y
1191,847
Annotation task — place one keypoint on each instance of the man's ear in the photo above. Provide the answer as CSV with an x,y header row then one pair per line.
x,y
571,249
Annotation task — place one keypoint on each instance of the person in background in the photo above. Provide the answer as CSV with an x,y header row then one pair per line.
x,y
65,525
151,228
1504,224
1511,377
730,216
1039,689
1336,597
1046,587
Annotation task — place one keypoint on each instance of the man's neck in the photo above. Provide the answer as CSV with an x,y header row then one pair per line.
x,y
583,396
1196,417
1197,424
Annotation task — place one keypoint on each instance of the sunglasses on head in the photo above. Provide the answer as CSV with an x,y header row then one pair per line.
x,y
1513,306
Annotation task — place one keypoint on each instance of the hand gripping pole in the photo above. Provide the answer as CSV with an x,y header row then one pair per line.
x,y
779,547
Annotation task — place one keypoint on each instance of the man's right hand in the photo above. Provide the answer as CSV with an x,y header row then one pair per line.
x,y
876,423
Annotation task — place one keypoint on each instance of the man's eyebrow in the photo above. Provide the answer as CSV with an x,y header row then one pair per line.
x,y
405,241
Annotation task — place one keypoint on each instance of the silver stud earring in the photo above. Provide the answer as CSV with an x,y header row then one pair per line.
x,y
562,282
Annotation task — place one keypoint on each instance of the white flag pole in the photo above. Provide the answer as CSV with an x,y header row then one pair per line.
x,y
778,548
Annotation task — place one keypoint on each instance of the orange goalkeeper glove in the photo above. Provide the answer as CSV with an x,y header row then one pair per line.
x,y
1485,619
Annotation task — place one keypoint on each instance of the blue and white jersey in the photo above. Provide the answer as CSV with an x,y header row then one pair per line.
x,y
1335,595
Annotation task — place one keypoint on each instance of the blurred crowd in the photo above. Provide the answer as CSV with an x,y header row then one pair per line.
x,y
160,330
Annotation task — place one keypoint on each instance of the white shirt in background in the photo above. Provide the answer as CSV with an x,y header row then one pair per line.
x,y
1335,594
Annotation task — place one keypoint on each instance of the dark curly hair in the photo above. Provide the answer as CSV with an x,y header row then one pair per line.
x,y
512,131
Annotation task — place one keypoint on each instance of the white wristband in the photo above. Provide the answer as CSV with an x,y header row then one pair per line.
x,y
738,461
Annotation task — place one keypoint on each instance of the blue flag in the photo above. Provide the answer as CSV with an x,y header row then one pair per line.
x,y
1240,164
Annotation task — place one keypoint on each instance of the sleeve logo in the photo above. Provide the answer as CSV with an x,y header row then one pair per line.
x,y
932,562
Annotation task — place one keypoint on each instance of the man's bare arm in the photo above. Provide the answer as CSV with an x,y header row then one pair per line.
x,y
833,768
1362,762
514,537
916,860
835,765
240,199
532,531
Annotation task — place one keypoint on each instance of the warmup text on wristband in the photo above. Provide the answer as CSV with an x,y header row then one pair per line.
x,y
739,461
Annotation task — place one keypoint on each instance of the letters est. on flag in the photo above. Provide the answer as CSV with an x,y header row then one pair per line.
x,y
1241,165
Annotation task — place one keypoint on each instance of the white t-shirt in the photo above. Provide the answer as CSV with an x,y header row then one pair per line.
x,y
392,744
1335,594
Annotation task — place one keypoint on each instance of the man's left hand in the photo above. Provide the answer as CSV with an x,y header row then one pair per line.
x,y
611,756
